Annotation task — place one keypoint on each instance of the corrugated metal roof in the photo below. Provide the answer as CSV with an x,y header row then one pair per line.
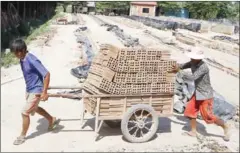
x,y
90,4
145,3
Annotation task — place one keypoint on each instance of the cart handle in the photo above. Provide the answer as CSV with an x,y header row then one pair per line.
x,y
71,96
65,87
106,95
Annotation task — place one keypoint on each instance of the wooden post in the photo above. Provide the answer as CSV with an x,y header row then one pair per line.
x,y
83,111
124,105
150,100
97,115
101,123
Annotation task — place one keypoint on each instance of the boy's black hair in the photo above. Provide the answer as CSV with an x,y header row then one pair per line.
x,y
18,45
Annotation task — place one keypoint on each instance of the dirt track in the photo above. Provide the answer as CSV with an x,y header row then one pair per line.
x,y
60,56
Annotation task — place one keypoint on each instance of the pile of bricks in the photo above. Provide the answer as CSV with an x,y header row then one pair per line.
x,y
126,71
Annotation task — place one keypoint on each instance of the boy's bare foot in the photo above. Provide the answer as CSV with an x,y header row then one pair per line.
x,y
226,133
190,133
53,123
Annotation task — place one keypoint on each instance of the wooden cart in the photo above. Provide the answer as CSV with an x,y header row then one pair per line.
x,y
136,114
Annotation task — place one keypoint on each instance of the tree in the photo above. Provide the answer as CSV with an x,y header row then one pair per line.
x,y
213,10
205,9
103,6
171,5
64,4
229,10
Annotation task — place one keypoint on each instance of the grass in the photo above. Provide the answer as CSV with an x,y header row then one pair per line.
x,y
8,59
43,28
37,32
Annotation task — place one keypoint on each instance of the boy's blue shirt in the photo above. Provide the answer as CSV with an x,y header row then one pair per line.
x,y
34,73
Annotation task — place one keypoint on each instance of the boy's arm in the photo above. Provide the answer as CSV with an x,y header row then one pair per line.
x,y
38,66
45,86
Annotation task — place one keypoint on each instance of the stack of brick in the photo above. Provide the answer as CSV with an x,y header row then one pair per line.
x,y
130,71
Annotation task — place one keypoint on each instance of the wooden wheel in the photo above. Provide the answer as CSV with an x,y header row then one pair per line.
x,y
139,123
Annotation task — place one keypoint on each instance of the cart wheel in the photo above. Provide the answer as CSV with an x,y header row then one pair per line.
x,y
139,123
113,124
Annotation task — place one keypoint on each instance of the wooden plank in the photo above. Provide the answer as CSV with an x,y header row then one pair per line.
x,y
97,114
106,112
106,116
168,106
125,95
125,104
111,109
153,100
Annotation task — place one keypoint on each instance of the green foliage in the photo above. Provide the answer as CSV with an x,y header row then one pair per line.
x,y
8,59
205,9
43,28
229,10
199,10
65,4
171,5
102,6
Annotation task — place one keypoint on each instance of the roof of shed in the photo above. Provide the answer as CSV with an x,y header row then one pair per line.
x,y
144,3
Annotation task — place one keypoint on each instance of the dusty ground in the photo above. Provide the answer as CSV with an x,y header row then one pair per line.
x,y
59,57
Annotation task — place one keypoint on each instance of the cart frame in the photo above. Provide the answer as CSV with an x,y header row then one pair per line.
x,y
101,119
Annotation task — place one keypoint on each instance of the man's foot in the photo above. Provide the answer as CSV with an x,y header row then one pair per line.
x,y
226,133
190,133
53,124
19,140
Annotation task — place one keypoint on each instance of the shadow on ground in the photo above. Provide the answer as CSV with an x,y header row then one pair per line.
x,y
42,128
200,127
164,127
105,131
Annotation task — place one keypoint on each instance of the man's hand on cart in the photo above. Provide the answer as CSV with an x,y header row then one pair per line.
x,y
175,69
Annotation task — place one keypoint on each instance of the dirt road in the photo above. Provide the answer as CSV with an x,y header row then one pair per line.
x,y
59,57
